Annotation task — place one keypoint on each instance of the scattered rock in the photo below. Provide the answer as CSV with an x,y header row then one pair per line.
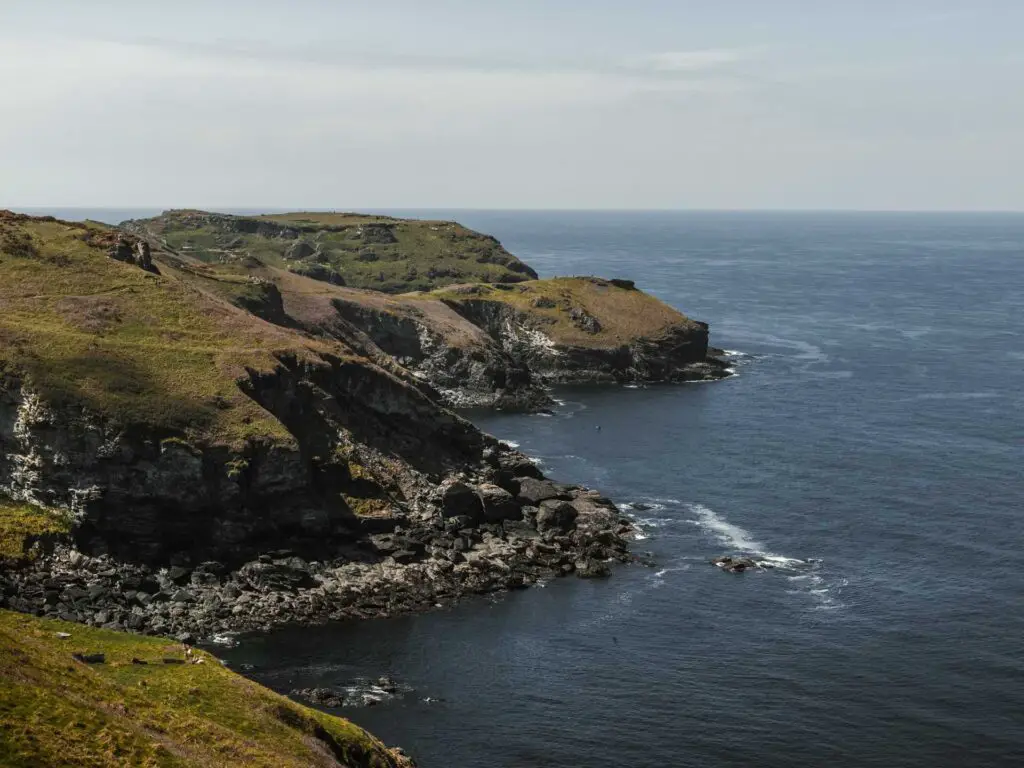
x,y
322,697
89,658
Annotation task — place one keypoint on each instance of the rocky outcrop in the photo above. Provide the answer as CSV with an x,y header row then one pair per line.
x,y
491,544
532,335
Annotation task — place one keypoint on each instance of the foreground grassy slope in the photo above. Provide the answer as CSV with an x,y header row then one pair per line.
x,y
144,348
376,252
58,711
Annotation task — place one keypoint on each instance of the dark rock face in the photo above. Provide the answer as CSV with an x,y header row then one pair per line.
x,y
477,374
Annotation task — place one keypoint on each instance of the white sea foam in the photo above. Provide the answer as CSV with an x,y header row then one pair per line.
x,y
511,444
805,574
727,533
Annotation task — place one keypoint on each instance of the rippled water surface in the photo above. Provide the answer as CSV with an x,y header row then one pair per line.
x,y
872,445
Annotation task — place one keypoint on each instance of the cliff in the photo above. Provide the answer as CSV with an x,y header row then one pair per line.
x,y
73,695
173,463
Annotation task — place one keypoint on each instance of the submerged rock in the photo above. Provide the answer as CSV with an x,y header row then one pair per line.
x,y
735,564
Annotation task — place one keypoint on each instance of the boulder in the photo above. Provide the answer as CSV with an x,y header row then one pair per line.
x,y
458,500
556,515
499,505
533,491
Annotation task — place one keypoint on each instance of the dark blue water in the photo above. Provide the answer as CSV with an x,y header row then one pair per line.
x,y
874,432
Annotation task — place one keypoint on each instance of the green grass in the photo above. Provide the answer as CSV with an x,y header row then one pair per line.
x,y
21,524
57,711
136,347
624,314
375,252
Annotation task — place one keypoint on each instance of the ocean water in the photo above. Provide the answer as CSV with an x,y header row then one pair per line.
x,y
871,445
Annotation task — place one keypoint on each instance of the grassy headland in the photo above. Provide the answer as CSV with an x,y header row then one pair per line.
x,y
375,252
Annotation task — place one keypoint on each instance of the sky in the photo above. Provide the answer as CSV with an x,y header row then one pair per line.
x,y
535,104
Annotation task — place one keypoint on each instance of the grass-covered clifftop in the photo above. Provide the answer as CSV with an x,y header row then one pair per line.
x,y
127,343
579,311
136,709
376,252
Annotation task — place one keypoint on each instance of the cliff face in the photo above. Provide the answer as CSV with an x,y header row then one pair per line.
x,y
165,419
584,330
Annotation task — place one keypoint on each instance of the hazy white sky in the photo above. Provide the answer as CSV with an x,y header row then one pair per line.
x,y
904,104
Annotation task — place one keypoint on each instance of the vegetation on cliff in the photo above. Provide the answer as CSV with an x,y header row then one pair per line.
x,y
126,343
375,252
23,525
579,311
149,702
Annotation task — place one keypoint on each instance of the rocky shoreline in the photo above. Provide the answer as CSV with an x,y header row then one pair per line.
x,y
542,530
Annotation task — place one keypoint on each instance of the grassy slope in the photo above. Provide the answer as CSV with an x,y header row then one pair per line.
x,y
147,349
423,256
56,711
20,523
625,314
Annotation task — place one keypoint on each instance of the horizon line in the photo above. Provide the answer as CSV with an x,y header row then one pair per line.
x,y
358,209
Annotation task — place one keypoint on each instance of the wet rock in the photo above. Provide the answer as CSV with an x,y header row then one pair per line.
x,y
592,569
735,564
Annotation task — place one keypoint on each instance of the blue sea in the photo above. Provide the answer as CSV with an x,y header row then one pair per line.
x,y
871,445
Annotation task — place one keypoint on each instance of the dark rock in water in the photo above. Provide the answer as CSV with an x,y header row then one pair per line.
x,y
592,569
640,506
322,697
89,658
387,684
735,564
